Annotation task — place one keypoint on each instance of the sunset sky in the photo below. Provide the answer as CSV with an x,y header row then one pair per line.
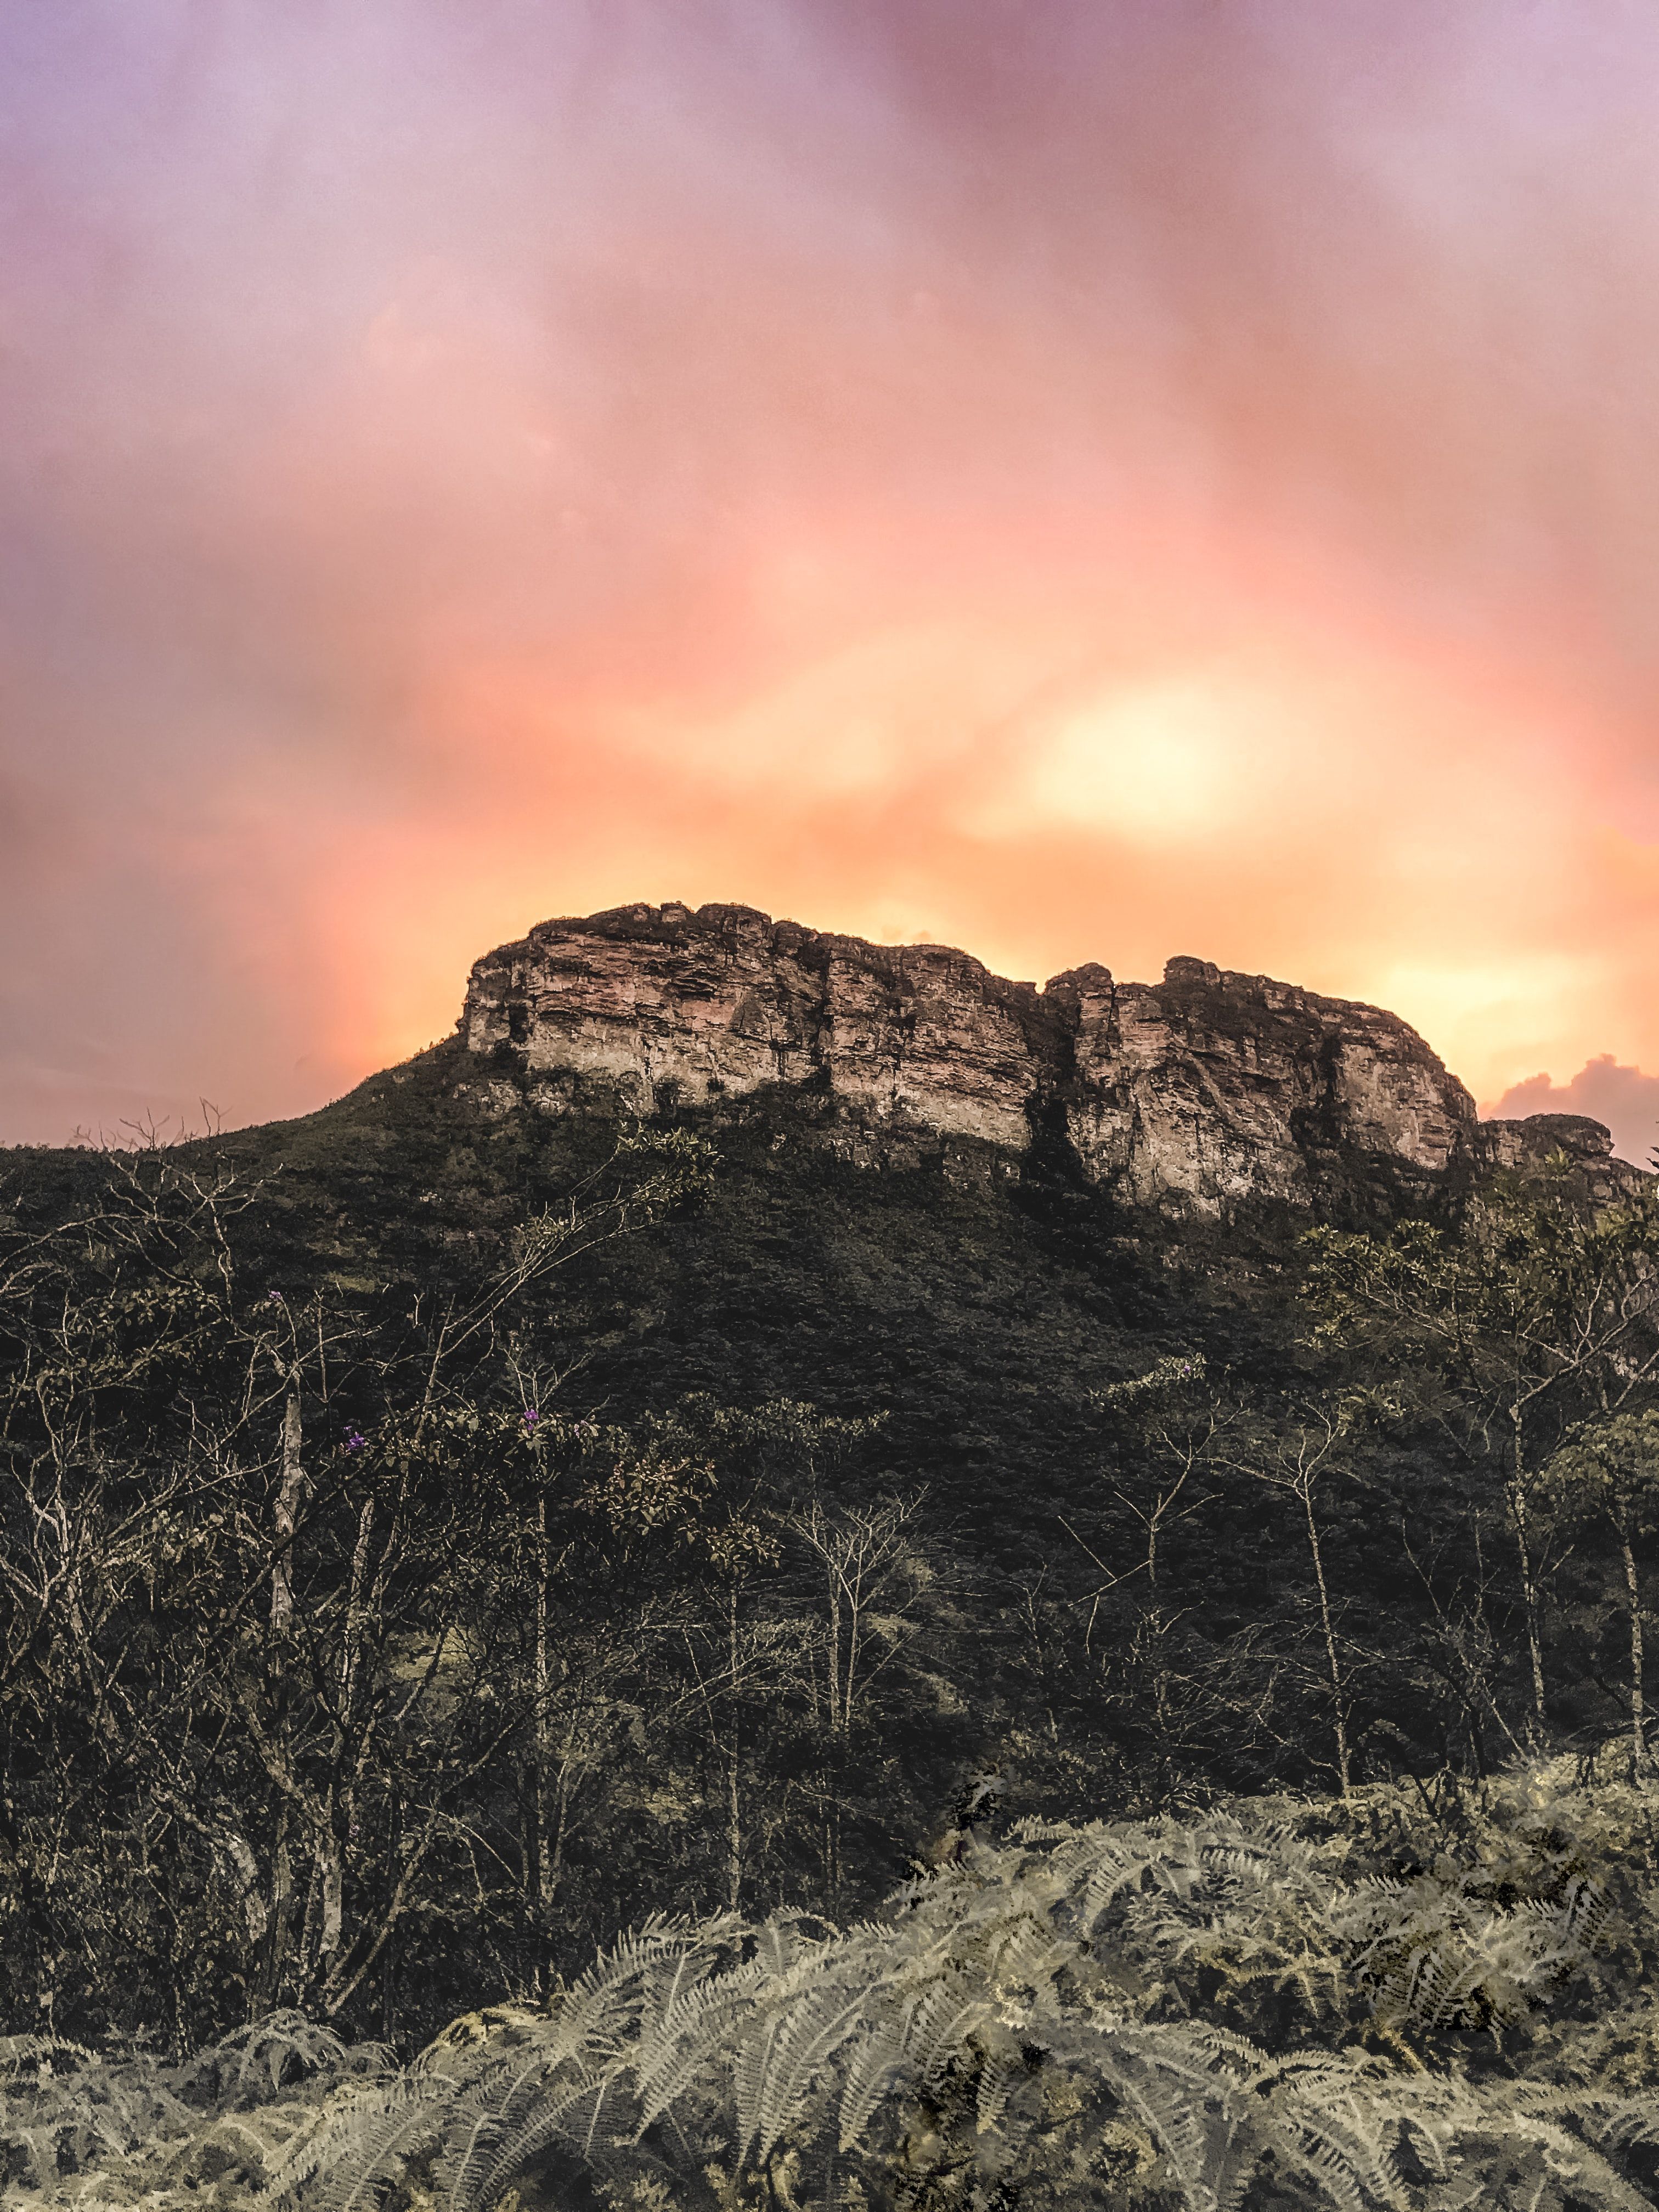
x,y
1076,479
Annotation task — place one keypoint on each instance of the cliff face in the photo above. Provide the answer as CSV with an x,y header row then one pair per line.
x,y
1203,1094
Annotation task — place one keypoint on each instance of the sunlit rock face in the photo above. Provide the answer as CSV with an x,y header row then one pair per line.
x,y
1218,1089
723,1000
1202,1094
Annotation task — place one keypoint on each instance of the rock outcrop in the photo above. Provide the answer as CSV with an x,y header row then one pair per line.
x,y
1206,1094
1587,1143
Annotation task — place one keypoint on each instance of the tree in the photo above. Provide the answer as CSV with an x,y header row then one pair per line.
x,y
1501,1336
871,1569
261,1625
664,1487
1166,1438
1293,1456
1610,1471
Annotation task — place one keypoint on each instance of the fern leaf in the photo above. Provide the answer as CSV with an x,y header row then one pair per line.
x,y
998,2076
877,2062
807,2039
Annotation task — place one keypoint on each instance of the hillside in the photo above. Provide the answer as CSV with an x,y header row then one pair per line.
x,y
900,1219
864,1246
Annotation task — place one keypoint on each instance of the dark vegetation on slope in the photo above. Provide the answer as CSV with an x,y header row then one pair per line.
x,y
436,1539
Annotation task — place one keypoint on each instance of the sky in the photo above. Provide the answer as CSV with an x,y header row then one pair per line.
x,y
1076,479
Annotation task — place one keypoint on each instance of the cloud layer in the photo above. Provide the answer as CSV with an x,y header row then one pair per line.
x,y
1077,481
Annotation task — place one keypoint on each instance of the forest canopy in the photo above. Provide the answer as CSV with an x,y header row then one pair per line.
x,y
380,1635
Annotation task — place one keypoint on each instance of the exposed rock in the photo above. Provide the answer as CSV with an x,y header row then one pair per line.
x,y
1204,1094
1585,1143
1223,1089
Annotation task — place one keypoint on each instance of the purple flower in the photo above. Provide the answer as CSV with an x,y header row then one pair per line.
x,y
531,1417
273,1298
355,1441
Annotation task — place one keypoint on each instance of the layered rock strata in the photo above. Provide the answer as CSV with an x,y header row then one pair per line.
x,y
1203,1094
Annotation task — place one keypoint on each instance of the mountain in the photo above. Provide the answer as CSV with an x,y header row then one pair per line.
x,y
959,1202
961,1436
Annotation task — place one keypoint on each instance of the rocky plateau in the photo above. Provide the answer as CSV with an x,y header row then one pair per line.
x,y
1205,1095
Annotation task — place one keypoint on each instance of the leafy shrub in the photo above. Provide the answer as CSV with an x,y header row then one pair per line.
x,y
132,2127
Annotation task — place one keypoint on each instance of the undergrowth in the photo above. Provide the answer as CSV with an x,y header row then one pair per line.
x,y
1402,1999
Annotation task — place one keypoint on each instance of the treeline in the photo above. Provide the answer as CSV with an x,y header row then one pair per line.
x,y
356,1659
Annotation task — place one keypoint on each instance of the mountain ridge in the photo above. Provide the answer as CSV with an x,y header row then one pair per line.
x,y
1206,1094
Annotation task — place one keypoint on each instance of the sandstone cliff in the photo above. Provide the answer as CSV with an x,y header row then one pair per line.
x,y
1204,1094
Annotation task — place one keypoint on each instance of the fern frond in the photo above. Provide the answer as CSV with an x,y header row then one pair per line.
x,y
875,2066
999,2075
358,2134
808,2037
17,2052
495,2156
